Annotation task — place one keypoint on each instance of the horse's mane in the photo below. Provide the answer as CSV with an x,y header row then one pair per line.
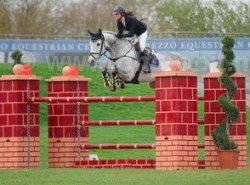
x,y
109,32
114,34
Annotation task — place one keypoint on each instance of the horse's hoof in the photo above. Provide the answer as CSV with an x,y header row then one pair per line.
x,y
108,85
146,71
112,88
122,85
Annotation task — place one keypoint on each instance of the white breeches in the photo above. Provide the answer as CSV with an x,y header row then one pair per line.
x,y
142,40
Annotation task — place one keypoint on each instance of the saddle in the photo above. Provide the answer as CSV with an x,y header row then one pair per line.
x,y
148,52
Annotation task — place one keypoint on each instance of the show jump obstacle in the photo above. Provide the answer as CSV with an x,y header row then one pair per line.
x,y
176,124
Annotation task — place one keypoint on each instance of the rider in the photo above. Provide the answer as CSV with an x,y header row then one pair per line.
x,y
126,21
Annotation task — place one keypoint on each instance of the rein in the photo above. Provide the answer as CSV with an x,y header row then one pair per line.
x,y
125,55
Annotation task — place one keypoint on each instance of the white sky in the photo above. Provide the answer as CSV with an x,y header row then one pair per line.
x,y
166,0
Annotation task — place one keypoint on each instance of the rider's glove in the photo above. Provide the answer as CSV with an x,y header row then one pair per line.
x,y
119,35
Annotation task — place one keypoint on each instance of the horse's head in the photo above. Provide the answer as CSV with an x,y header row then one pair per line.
x,y
97,46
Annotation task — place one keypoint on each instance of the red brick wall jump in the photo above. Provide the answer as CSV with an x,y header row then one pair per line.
x,y
62,118
13,122
176,121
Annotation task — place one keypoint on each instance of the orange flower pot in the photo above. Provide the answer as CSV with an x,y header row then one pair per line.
x,y
27,69
228,159
70,71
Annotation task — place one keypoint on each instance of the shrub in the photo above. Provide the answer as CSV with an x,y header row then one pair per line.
x,y
17,56
221,134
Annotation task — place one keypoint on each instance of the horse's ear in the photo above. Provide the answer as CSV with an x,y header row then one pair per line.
x,y
91,34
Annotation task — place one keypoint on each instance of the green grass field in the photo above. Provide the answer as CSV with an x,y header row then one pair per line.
x,y
125,134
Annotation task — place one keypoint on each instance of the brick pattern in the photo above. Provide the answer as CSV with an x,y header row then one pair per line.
x,y
13,152
211,157
13,124
62,118
63,152
120,163
176,122
177,152
213,115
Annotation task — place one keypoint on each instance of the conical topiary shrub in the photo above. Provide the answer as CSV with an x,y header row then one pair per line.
x,y
17,56
221,134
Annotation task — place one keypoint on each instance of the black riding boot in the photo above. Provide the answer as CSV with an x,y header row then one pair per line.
x,y
146,60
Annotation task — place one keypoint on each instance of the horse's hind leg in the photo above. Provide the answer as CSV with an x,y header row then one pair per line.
x,y
151,84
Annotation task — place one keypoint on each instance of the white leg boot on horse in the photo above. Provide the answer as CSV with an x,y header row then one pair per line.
x,y
105,77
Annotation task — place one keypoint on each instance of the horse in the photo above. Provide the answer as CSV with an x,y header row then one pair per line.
x,y
124,64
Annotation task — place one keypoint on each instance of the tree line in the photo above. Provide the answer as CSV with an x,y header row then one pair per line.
x,y
55,18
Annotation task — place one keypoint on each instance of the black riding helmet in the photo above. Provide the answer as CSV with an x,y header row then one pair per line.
x,y
119,9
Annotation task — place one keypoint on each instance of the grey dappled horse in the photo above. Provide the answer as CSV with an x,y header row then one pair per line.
x,y
124,63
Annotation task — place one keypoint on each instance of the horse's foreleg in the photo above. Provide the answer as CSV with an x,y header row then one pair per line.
x,y
114,79
107,84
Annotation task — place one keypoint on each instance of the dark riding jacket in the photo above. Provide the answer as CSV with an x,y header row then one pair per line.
x,y
133,25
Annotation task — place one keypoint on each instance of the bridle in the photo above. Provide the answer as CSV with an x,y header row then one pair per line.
x,y
100,52
104,53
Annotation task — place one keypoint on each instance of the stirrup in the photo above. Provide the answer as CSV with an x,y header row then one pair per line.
x,y
148,70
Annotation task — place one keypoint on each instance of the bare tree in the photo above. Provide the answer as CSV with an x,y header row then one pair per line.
x,y
93,14
148,11
30,17
83,15
5,17
36,17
